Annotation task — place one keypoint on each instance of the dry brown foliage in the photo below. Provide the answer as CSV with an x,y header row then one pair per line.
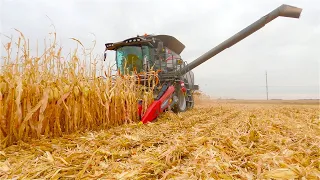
x,y
212,141
50,95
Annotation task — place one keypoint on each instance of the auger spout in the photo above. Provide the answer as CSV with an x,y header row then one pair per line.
x,y
283,10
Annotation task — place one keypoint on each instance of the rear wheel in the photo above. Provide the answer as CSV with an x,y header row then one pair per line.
x,y
190,101
189,98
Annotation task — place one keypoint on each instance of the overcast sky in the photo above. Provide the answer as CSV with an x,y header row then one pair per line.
x,y
289,49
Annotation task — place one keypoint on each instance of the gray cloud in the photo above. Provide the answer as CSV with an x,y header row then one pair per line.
x,y
286,48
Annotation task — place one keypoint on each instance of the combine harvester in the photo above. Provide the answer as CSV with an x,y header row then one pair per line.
x,y
176,80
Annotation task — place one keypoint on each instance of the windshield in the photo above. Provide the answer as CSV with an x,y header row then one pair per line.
x,y
130,58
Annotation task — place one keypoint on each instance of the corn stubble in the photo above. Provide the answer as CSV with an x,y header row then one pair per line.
x,y
217,141
47,96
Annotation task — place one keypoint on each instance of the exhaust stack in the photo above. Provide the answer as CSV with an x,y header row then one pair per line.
x,y
283,10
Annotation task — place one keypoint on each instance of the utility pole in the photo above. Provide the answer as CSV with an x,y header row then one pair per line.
x,y
267,85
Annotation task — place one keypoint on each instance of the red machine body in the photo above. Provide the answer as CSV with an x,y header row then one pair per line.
x,y
158,106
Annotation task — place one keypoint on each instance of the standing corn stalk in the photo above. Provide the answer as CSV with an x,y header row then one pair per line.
x,y
44,96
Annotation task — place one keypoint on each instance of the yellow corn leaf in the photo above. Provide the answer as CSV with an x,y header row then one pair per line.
x,y
49,157
4,167
225,176
282,173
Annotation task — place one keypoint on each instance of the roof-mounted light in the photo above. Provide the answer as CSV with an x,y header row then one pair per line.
x,y
109,45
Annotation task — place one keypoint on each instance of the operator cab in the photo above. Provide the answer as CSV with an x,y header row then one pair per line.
x,y
142,53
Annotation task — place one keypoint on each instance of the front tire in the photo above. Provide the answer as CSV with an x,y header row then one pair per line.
x,y
181,105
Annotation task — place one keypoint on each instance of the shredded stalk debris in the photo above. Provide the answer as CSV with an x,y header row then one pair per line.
x,y
215,141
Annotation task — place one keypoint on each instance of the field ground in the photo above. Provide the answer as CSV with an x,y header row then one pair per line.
x,y
220,139
239,101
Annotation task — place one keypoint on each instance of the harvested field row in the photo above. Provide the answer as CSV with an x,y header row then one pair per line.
x,y
219,141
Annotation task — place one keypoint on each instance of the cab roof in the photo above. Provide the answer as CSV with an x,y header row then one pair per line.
x,y
168,41
172,43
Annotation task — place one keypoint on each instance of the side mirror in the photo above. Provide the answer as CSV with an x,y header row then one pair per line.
x,y
105,55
